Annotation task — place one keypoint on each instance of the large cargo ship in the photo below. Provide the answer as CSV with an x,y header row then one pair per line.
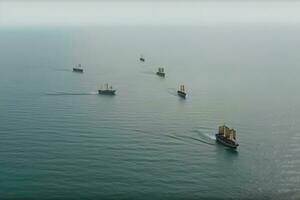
x,y
227,137
107,90
181,91
161,72
142,59
78,68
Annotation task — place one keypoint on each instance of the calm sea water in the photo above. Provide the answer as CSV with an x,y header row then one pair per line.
x,y
60,140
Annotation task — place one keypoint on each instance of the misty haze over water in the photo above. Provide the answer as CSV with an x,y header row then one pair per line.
x,y
60,140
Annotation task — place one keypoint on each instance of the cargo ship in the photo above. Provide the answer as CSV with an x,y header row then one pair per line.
x,y
161,72
78,68
181,91
107,90
142,59
227,137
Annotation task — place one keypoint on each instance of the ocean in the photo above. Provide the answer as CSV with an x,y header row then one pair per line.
x,y
59,139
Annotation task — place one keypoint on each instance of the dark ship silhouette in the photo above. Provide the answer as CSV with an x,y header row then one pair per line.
x,y
78,68
142,59
181,91
161,72
107,90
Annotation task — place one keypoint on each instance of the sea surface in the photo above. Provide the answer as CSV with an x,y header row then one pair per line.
x,y
59,139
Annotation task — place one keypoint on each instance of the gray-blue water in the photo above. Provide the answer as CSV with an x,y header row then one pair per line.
x,y
60,140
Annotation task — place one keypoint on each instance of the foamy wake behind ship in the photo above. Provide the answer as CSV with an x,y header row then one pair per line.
x,y
227,137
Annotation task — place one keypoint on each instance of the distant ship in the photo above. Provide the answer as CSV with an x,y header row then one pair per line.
x,y
78,68
142,59
161,72
227,137
108,90
181,91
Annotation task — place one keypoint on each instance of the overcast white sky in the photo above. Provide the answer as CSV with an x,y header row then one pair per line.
x,y
15,13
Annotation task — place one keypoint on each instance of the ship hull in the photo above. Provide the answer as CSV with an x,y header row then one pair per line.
x,y
160,74
107,92
181,94
226,142
77,70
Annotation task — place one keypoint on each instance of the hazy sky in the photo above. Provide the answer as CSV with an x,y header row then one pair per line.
x,y
14,13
